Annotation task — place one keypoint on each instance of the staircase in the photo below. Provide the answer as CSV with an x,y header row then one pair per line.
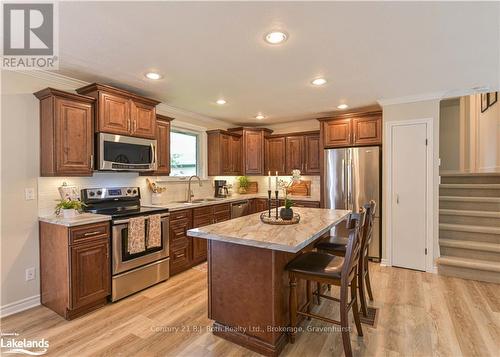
x,y
469,226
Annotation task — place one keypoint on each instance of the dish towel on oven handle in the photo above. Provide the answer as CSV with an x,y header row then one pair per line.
x,y
154,233
136,235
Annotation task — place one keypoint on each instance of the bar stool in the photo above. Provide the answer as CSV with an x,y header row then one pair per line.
x,y
325,268
337,245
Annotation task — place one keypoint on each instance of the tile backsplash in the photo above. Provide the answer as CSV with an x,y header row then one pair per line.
x,y
176,190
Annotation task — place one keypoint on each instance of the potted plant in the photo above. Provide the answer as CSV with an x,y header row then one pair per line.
x,y
69,208
286,213
244,183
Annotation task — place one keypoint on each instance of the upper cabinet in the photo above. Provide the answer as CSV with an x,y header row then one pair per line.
x,y
66,133
122,112
294,153
253,147
162,146
224,153
352,129
275,155
311,154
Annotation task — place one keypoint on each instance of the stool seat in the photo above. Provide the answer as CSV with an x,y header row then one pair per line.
x,y
334,243
318,264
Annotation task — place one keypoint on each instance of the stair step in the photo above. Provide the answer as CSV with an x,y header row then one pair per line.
x,y
466,268
469,228
470,249
469,189
469,233
470,178
470,203
465,217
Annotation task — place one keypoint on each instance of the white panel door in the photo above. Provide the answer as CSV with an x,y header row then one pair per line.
x,y
409,183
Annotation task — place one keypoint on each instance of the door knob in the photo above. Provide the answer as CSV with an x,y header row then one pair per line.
x,y
397,198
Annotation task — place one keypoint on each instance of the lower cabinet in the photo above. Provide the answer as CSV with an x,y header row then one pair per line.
x,y
81,254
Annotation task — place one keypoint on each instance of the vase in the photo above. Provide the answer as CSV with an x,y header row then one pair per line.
x,y
69,213
157,198
286,214
242,190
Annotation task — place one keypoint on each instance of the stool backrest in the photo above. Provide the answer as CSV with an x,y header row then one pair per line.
x,y
352,254
368,229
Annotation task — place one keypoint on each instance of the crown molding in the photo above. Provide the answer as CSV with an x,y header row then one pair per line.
x,y
412,98
68,83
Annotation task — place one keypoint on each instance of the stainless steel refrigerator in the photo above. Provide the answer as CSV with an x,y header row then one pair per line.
x,y
351,179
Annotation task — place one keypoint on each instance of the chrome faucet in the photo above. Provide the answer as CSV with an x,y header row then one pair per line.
x,y
190,193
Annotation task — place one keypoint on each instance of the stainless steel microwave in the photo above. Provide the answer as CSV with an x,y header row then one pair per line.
x,y
125,153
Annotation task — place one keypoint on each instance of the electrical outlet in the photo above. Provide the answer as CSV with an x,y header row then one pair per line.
x,y
29,193
30,274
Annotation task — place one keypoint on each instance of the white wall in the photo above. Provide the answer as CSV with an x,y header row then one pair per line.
x,y
487,137
409,111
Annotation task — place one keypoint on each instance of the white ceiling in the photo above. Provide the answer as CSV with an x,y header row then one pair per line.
x,y
367,51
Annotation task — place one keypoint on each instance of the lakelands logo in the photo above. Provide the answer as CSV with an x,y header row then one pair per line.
x,y
29,36
10,345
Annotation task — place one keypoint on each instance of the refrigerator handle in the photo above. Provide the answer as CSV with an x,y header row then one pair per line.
x,y
343,184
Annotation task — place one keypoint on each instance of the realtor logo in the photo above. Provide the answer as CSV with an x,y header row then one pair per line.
x,y
29,34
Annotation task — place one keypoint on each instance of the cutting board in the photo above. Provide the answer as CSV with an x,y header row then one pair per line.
x,y
300,188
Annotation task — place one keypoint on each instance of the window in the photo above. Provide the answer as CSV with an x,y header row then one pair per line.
x,y
184,153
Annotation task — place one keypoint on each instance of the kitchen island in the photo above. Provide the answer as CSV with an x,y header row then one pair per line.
x,y
247,280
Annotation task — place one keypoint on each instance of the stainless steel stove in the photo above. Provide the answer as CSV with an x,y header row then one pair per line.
x,y
130,272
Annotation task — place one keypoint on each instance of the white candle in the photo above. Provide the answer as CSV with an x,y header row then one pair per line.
x,y
269,180
276,188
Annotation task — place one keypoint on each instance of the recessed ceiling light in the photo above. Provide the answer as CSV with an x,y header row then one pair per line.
x,y
318,81
153,75
259,117
221,101
276,37
342,106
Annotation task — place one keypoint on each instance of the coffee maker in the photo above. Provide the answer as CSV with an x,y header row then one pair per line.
x,y
220,188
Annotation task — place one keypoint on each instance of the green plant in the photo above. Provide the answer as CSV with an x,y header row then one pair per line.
x,y
243,181
288,203
69,204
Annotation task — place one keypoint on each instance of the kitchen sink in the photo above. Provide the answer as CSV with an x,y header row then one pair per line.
x,y
200,200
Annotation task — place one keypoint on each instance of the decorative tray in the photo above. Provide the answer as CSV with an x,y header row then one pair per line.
x,y
264,217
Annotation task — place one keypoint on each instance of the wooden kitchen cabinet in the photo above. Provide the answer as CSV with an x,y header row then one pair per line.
x,y
253,147
66,133
180,243
224,153
311,154
275,155
294,153
75,276
162,147
122,112
352,129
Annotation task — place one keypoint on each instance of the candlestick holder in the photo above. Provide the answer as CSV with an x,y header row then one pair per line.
x,y
277,203
269,202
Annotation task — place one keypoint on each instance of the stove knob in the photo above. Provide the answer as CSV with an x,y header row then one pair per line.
x,y
99,192
129,191
135,191
91,193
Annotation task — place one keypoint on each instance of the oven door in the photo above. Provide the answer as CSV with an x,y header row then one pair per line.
x,y
125,153
122,260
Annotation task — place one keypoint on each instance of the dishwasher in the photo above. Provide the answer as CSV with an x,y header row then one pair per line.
x,y
240,208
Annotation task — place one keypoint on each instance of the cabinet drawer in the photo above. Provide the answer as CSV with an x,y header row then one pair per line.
x,y
310,204
89,232
184,214
226,207
179,258
222,216
205,220
202,211
178,235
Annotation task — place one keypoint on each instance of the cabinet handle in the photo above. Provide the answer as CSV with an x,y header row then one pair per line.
x,y
91,233
179,255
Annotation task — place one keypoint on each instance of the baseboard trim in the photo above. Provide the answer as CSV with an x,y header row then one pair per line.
x,y
20,305
385,262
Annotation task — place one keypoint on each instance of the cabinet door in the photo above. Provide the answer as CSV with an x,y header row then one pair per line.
x,y
235,153
310,204
163,147
367,131
254,153
294,154
275,155
311,154
114,114
225,155
74,137
202,216
90,272
143,120
337,132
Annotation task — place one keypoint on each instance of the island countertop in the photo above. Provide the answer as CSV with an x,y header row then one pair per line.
x,y
250,231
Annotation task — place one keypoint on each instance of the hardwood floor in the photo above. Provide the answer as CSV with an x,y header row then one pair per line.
x,y
419,314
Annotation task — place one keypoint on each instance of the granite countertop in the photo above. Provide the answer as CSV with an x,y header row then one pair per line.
x,y
82,218
249,230
176,206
